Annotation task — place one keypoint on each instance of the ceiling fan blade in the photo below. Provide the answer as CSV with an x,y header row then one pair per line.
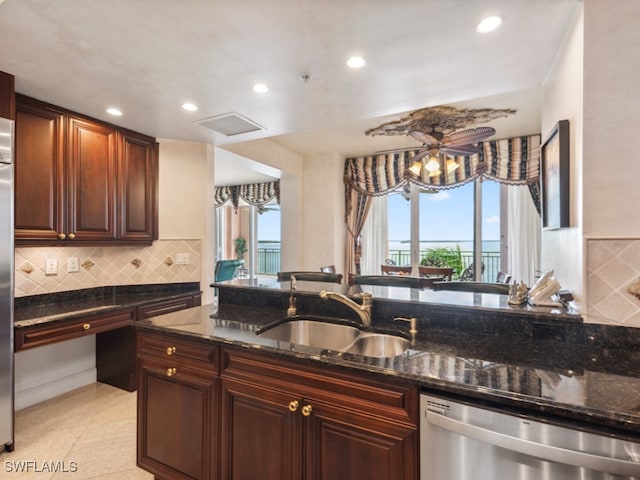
x,y
418,156
465,137
423,137
460,150
397,150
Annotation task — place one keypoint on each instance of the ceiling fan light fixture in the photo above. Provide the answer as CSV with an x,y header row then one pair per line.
x,y
416,167
435,173
432,165
451,165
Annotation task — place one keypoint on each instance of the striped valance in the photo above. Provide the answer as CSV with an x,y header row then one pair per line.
x,y
514,161
251,193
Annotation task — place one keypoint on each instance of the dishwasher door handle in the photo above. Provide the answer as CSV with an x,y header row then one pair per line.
x,y
534,449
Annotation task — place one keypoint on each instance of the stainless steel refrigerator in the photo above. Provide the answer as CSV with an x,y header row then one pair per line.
x,y
6,284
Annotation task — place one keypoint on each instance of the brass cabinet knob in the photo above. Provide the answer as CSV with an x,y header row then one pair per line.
x,y
86,326
293,405
72,236
62,236
306,410
171,372
171,350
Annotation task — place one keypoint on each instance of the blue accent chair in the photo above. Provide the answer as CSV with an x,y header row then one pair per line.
x,y
227,269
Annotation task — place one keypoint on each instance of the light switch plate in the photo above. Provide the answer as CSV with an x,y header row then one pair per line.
x,y
51,266
72,264
182,259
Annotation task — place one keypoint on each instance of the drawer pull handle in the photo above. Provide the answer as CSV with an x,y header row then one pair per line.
x,y
62,236
72,236
293,405
171,372
86,326
306,410
171,350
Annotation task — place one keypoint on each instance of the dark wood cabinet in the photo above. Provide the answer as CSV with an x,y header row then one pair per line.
x,y
178,408
81,180
39,173
116,349
302,422
7,96
277,419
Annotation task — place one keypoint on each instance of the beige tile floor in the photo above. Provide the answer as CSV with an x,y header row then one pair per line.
x,y
89,432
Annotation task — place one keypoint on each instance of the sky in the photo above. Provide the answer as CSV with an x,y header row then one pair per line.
x,y
447,215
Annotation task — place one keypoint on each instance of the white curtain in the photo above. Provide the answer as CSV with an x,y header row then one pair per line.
x,y
375,237
523,246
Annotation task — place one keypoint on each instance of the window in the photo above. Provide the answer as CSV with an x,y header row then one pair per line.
x,y
444,230
268,239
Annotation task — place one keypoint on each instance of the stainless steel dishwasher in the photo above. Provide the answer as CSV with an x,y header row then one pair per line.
x,y
463,442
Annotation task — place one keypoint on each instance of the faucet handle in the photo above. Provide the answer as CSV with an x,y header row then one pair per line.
x,y
413,329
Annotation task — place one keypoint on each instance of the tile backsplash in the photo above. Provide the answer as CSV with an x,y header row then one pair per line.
x,y
104,266
613,264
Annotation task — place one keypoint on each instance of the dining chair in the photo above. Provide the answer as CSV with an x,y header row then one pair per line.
x,y
395,269
443,272
476,287
328,269
391,281
310,276
503,278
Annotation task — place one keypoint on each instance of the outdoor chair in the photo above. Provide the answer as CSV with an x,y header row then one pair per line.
x,y
445,273
395,269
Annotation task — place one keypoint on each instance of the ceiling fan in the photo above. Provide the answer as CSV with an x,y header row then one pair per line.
x,y
454,144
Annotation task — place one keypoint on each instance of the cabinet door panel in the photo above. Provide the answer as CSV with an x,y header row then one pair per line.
x,y
39,173
357,447
137,172
260,437
91,194
176,423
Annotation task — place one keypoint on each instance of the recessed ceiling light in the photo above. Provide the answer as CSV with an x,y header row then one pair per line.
x,y
488,24
116,112
189,107
260,88
356,62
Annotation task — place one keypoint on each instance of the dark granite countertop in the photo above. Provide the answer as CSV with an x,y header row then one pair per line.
x,y
589,386
58,307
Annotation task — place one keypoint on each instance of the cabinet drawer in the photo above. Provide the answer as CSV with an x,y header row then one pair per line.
x,y
178,351
359,392
167,306
44,334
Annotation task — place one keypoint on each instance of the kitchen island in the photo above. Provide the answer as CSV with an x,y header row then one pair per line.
x,y
542,363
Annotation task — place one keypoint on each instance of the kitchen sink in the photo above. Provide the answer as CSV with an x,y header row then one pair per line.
x,y
380,345
335,335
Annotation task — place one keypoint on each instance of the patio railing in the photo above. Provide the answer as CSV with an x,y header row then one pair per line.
x,y
269,261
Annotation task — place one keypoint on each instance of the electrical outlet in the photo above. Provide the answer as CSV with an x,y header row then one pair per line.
x,y
51,266
72,264
182,259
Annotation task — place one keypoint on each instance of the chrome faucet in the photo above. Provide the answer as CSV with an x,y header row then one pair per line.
x,y
291,311
362,309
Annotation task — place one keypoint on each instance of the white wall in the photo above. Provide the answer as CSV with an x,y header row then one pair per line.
x,y
186,200
323,212
563,99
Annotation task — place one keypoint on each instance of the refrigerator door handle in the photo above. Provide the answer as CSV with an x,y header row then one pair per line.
x,y
534,449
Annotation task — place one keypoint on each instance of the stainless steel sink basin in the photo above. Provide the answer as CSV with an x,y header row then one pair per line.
x,y
340,337
378,345
313,333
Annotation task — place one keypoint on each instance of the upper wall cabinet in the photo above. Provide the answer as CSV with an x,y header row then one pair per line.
x,y
81,180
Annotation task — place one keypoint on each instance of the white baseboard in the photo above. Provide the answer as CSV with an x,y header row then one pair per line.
x,y
43,392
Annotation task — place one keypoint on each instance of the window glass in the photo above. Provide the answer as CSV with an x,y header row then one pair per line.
x,y
399,221
268,233
490,230
446,228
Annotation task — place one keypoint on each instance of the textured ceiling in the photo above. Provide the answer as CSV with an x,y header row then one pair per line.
x,y
147,57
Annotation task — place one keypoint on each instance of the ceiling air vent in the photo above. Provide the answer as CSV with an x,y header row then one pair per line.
x,y
230,124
